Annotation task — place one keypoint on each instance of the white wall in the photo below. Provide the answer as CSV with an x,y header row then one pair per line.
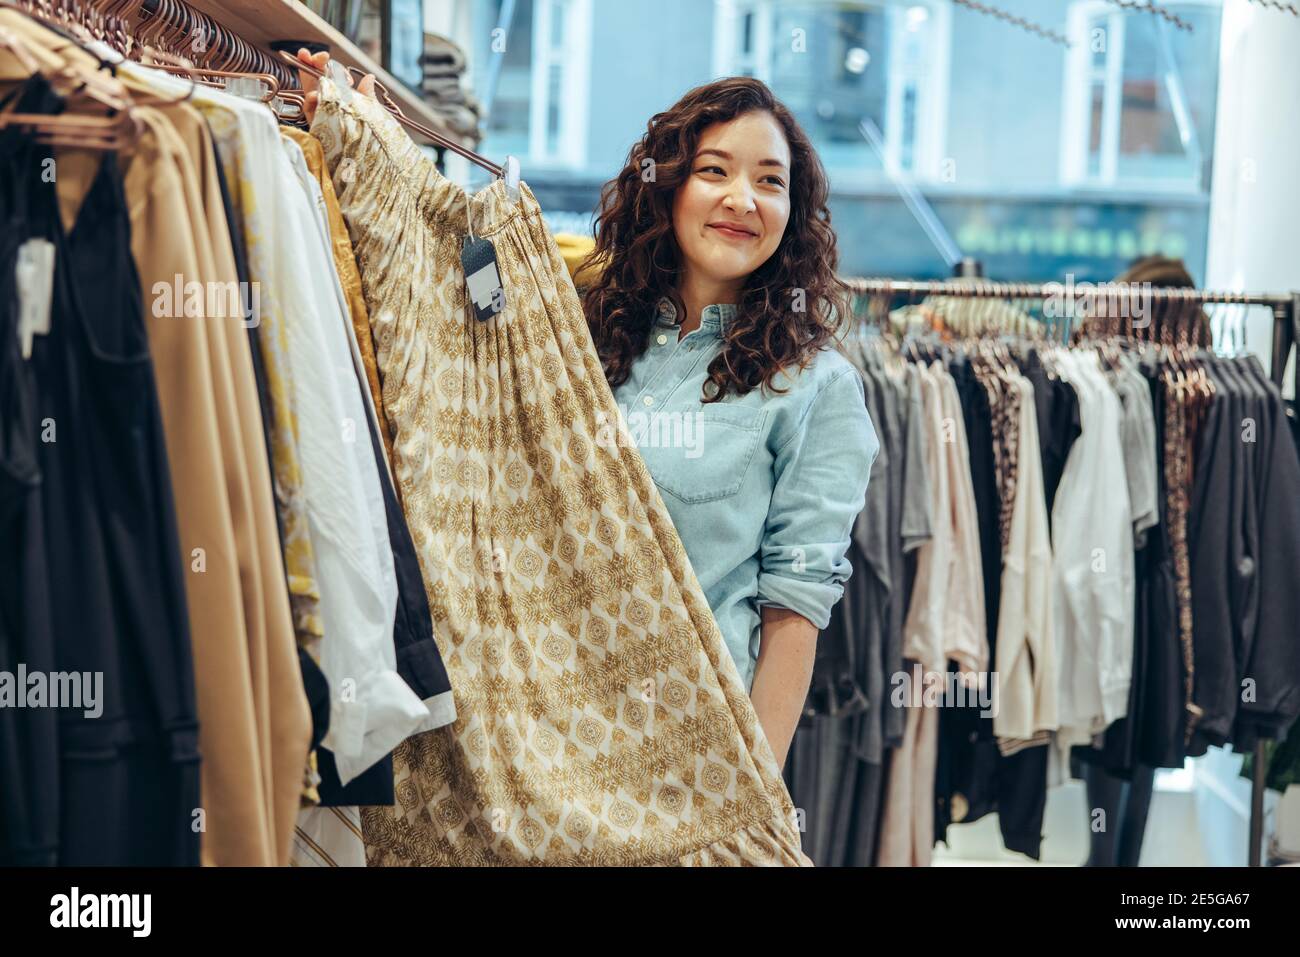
x,y
1254,240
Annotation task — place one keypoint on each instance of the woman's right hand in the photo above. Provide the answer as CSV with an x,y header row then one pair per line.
x,y
311,85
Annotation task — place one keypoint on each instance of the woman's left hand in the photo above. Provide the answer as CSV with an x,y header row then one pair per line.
x,y
311,85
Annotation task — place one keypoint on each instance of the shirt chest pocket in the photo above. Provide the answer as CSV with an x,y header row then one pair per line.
x,y
704,454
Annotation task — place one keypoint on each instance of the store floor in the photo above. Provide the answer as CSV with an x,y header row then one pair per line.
x,y
1172,819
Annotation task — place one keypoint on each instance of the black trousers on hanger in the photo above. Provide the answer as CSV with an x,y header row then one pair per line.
x,y
1116,839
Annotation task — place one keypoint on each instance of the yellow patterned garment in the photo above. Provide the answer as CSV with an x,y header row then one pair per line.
x,y
601,719
575,250
248,182
346,264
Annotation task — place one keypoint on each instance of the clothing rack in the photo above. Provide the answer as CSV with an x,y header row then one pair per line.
x,y
183,17
238,35
284,67
1285,306
1286,333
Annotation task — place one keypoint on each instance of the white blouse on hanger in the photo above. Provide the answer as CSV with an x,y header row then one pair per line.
x,y
372,709
1092,538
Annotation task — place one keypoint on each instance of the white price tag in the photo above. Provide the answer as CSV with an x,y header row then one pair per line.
x,y
35,274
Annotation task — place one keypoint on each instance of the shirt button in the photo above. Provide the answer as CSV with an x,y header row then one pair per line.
x,y
649,400
662,339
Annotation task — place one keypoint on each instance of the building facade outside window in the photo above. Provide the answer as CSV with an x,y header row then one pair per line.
x,y
531,65
1140,97
838,65
1040,160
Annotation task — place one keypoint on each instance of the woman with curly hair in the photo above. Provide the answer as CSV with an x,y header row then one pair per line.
x,y
715,316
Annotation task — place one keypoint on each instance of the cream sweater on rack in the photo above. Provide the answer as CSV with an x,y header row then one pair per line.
x,y
1026,657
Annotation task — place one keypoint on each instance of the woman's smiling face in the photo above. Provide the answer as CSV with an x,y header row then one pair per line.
x,y
731,212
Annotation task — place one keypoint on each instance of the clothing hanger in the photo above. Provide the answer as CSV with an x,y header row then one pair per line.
x,y
95,84
1192,358
160,39
481,161
1198,379
71,79
22,53
112,133
296,117
116,34
174,26
271,86
70,128
115,95
149,31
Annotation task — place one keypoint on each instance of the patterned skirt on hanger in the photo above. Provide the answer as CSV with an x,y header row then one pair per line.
x,y
601,718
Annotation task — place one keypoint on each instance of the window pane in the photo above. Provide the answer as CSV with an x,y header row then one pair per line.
x,y
554,79
1096,122
406,41
557,24
972,107
831,64
1168,96
506,129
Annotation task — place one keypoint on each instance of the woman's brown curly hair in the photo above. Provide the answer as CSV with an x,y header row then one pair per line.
x,y
641,262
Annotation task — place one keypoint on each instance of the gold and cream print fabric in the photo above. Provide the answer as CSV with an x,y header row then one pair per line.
x,y
601,718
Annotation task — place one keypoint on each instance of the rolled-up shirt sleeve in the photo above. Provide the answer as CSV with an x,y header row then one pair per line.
x,y
821,485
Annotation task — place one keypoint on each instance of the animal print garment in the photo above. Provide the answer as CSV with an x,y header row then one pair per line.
x,y
601,718
1178,499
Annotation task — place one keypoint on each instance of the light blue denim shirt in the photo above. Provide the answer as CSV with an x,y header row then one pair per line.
x,y
763,488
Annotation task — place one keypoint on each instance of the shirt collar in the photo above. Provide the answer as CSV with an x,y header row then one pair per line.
x,y
715,318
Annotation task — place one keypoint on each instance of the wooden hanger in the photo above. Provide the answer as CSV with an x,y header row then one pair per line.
x,y
70,128
208,76
90,87
438,138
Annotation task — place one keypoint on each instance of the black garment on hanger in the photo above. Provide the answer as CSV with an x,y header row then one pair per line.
x,y
29,772
1270,661
128,790
1162,717
1215,523
1056,405
1116,841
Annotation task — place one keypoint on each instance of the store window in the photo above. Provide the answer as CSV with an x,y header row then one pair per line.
x,y
405,41
390,32
1140,97
868,81
532,61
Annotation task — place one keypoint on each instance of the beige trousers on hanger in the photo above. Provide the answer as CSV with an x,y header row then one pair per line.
x,y
601,718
